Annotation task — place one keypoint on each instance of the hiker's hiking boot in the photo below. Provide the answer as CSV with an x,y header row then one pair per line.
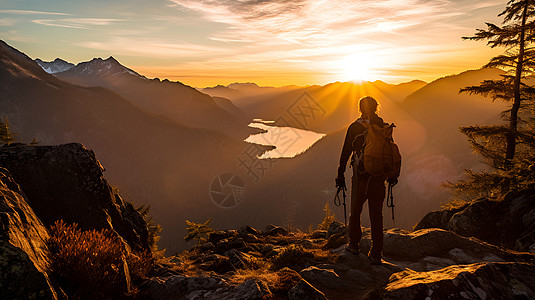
x,y
375,259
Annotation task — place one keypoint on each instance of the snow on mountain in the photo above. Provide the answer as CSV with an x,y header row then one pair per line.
x,y
104,67
56,66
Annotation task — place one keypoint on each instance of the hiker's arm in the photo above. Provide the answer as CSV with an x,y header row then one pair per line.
x,y
346,149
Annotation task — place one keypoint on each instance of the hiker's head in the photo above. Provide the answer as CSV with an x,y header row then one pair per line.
x,y
367,106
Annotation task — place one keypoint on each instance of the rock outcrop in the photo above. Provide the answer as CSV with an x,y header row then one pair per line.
x,y
66,182
508,222
475,281
23,253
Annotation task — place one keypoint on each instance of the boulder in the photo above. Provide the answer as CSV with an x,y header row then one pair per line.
x,y
438,219
353,261
24,258
479,219
319,234
415,246
360,277
305,291
225,245
323,277
219,235
336,240
246,230
508,222
508,280
336,228
66,182
275,230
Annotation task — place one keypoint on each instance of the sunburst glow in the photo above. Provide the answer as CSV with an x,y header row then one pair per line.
x,y
358,67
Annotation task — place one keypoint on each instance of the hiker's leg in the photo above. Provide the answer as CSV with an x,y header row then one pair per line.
x,y
358,198
376,195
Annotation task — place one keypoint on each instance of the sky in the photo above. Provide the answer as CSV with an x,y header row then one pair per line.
x,y
282,42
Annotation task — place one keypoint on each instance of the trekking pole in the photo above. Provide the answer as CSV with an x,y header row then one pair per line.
x,y
390,201
337,201
345,211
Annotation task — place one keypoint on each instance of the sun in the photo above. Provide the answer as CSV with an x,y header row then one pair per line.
x,y
358,67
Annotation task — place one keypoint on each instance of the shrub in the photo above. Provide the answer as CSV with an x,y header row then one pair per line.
x,y
154,231
294,257
93,264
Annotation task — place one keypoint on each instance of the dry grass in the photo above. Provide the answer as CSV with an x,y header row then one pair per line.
x,y
182,263
279,282
265,275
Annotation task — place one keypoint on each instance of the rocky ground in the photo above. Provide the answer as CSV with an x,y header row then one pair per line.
x,y
276,264
482,250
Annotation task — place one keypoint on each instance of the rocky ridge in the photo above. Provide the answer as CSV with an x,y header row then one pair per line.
x,y
252,264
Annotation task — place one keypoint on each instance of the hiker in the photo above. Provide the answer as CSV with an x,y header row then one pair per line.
x,y
363,185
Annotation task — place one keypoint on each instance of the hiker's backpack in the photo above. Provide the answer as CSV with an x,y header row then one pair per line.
x,y
380,155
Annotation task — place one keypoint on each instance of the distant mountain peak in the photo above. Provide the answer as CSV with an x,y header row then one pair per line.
x,y
55,66
112,59
238,85
104,68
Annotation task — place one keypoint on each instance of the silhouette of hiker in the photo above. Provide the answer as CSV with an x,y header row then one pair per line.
x,y
363,186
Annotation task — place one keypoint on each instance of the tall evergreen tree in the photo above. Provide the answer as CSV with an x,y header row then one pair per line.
x,y
506,144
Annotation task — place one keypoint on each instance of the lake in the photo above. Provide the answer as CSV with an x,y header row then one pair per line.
x,y
288,141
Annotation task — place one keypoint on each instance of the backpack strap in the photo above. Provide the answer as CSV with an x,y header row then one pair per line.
x,y
357,157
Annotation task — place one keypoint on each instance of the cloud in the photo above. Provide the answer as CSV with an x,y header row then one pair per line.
x,y
15,35
7,22
322,31
79,23
310,22
29,12
153,47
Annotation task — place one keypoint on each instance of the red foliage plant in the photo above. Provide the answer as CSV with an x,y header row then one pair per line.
x,y
93,264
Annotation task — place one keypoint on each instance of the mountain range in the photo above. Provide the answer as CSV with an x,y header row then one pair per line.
x,y
153,159
163,143
172,100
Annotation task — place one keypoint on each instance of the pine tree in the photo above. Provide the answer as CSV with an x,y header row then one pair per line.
x,y
503,146
5,132
198,231
328,219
